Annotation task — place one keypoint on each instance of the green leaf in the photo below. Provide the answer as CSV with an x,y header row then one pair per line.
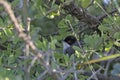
x,y
117,42
100,59
117,35
0,61
52,44
92,41
18,77
104,28
116,69
85,3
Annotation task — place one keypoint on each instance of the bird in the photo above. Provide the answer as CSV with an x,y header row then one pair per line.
x,y
68,44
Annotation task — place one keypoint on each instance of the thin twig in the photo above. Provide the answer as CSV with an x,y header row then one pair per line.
x,y
26,38
41,75
94,74
18,29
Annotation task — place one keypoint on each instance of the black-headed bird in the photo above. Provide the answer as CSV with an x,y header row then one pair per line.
x,y
68,43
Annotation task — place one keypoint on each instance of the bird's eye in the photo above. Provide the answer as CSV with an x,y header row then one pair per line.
x,y
69,41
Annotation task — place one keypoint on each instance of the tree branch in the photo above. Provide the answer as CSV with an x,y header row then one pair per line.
x,y
27,39
81,14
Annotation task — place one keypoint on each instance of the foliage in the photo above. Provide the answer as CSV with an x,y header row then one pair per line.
x,y
116,70
50,24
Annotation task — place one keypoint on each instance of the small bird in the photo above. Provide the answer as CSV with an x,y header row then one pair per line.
x,y
68,43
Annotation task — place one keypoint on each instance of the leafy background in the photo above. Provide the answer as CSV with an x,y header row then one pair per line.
x,y
49,25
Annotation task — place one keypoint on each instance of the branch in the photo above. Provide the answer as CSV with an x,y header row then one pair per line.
x,y
21,34
101,17
82,15
79,13
102,76
27,39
